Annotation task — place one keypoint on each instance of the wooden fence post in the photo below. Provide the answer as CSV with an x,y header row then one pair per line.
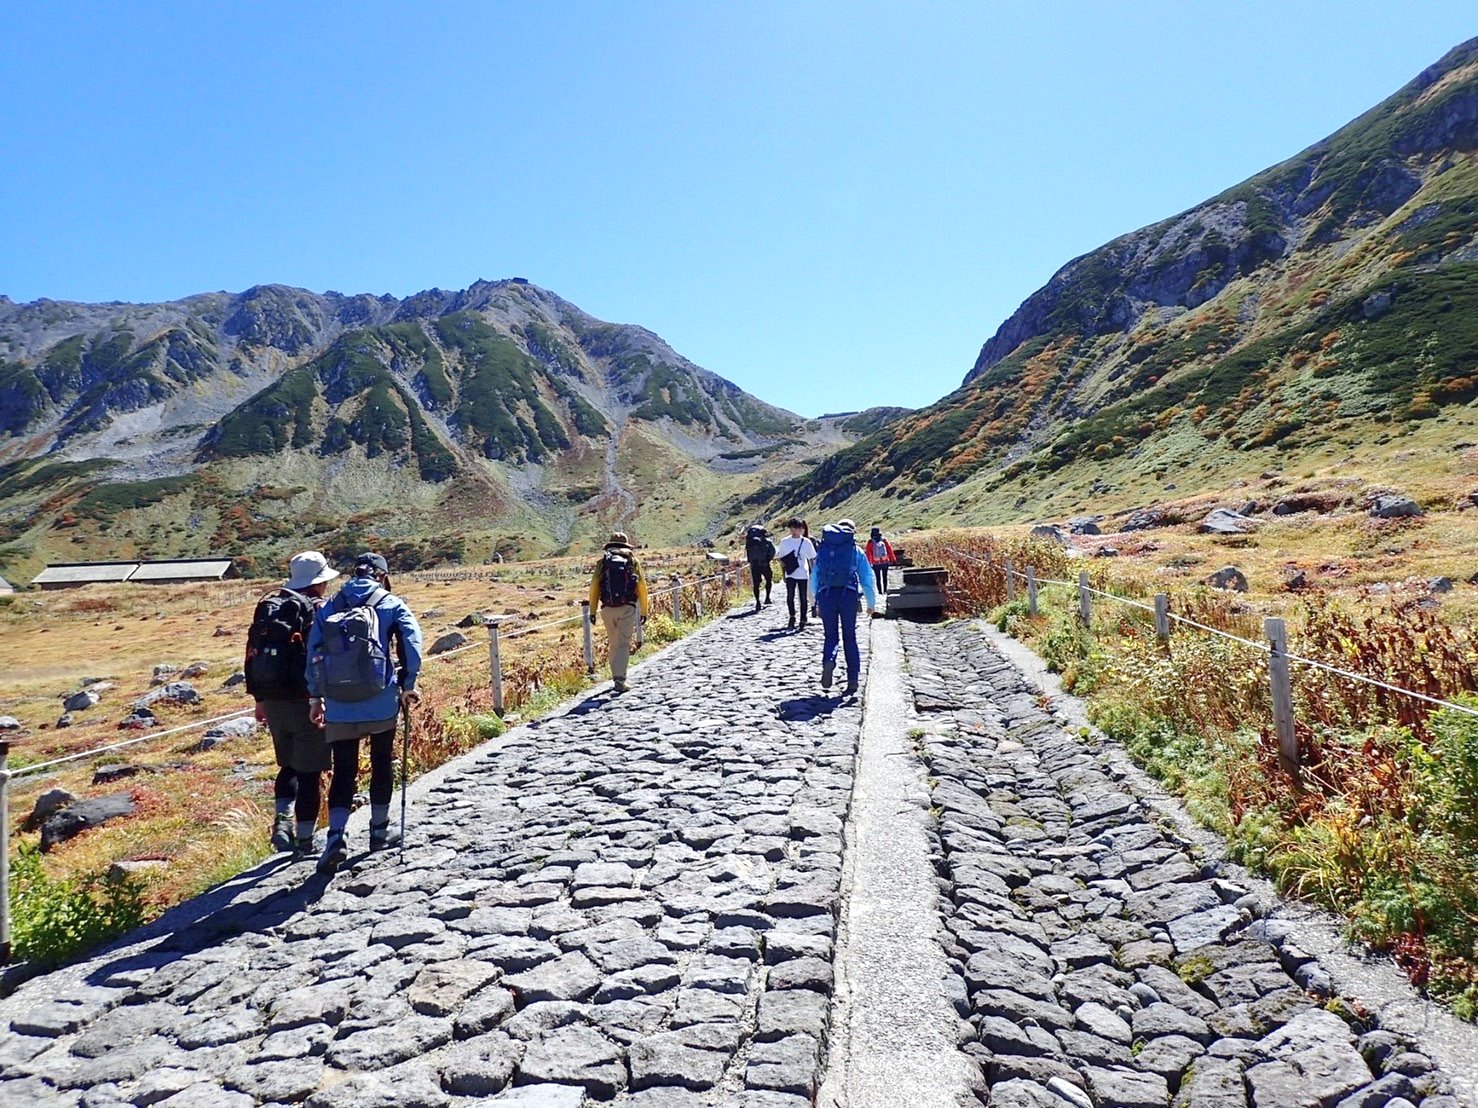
x,y
698,603
4,852
1031,589
1162,616
495,665
1010,580
1085,599
589,636
1282,687
723,578
677,599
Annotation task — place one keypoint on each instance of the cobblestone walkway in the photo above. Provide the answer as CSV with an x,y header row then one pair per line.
x,y
1098,961
635,900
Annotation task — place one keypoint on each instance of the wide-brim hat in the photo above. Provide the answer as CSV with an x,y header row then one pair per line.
x,y
309,568
846,525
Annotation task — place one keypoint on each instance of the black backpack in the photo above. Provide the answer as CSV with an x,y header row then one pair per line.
x,y
617,579
758,547
276,647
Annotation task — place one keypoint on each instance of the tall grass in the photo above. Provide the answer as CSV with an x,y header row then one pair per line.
x,y
1382,825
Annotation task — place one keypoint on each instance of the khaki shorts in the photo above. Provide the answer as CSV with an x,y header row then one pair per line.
x,y
298,744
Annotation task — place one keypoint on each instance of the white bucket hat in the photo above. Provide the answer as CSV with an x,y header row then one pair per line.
x,y
309,568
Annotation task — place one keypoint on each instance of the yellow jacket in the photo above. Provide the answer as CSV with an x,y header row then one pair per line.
x,y
641,582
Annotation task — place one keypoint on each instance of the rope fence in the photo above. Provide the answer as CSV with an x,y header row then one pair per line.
x,y
692,590
1276,647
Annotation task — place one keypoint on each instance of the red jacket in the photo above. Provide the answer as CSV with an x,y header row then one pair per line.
x,y
879,553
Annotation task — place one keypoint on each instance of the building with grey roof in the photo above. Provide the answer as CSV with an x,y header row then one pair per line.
x,y
70,575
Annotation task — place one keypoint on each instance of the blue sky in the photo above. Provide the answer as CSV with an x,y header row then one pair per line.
x,y
831,204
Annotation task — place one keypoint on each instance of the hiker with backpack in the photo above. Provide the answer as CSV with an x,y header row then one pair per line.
x,y
618,590
358,690
796,552
880,556
760,552
839,574
275,666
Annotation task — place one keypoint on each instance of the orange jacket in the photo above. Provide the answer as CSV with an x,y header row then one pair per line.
x,y
879,553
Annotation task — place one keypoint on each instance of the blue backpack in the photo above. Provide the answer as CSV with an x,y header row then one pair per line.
x,y
836,563
352,665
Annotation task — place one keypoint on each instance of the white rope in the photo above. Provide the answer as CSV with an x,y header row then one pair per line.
x,y
26,771
1265,648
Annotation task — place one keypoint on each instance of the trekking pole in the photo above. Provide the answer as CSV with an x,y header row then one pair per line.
x,y
405,757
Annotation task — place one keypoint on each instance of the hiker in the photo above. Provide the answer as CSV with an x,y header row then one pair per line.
x,y
760,552
618,590
880,556
796,552
839,574
276,662
358,690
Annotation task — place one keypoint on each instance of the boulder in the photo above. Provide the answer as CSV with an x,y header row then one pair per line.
x,y
1084,525
450,641
163,672
140,719
195,669
1440,584
9,723
1466,502
1106,552
178,692
1143,519
83,816
432,613
48,803
237,678
473,619
1051,533
1224,521
1294,579
1394,506
106,775
139,867
64,721
1252,507
1229,577
80,701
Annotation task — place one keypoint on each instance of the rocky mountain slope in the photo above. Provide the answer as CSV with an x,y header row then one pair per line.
x,y
451,423
1322,314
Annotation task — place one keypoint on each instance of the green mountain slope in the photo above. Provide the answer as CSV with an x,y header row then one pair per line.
x,y
1328,304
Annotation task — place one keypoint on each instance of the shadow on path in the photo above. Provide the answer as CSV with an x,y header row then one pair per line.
x,y
803,709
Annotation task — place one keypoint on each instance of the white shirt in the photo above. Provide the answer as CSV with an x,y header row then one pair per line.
x,y
804,549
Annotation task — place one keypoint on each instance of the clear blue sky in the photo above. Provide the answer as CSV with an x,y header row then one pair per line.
x,y
832,204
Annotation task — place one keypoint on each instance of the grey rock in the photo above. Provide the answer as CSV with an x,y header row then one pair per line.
x,y
571,977
375,1048
786,1065
450,641
1100,1021
9,723
802,973
575,1056
663,1060
443,988
49,802
1051,533
80,701
481,1067
1380,1093
287,1081
1144,519
1230,578
1084,525
791,1012
1394,506
1124,1088
1165,1019
1022,1093
1212,1083
1224,521
483,1012
407,1087
82,816
177,692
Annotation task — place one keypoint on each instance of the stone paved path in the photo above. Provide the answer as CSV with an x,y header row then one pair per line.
x,y
636,899
636,902
1096,960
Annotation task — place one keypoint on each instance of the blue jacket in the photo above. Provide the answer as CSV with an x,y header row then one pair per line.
x,y
394,615
864,570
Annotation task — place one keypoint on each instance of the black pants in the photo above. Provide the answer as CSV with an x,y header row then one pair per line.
x,y
880,576
303,789
761,571
346,770
796,588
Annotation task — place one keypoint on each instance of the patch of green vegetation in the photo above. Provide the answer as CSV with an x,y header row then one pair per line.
x,y
501,375
667,394
55,921
546,344
106,501
22,397
588,421
23,476
278,417
408,341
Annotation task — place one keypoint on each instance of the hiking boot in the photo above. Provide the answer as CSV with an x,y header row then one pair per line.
x,y
791,625
302,847
851,689
282,832
381,836
335,853
827,668
619,686
757,604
